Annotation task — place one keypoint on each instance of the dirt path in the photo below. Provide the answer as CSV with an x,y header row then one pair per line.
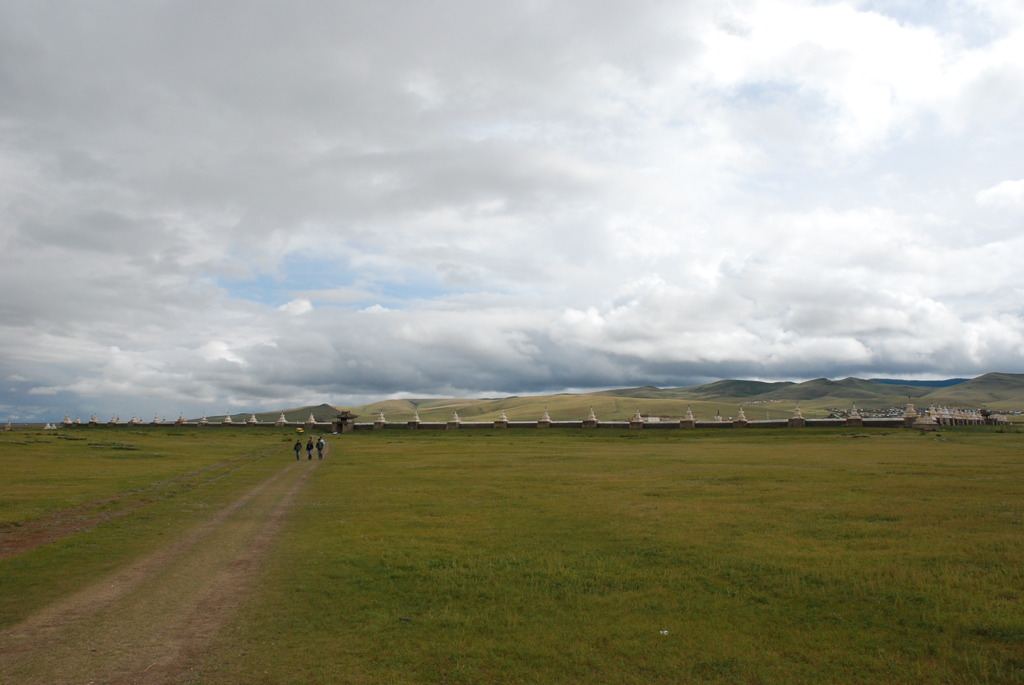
x,y
149,621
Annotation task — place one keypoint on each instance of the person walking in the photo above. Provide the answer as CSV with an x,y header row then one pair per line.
x,y
309,449
298,449
320,444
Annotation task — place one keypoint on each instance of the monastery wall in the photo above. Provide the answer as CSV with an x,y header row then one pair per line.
x,y
932,419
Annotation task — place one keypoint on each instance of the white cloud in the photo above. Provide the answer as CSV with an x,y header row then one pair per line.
x,y
506,198
867,74
296,307
218,350
1007,195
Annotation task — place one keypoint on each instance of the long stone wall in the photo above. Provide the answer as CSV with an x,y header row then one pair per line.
x,y
931,419
624,425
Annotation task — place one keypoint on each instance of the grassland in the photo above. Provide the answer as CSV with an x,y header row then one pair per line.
x,y
591,556
653,558
48,471
98,498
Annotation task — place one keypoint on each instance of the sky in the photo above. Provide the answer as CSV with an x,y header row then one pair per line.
x,y
233,206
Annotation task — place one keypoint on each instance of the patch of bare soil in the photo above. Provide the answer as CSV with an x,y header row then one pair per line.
x,y
149,622
20,538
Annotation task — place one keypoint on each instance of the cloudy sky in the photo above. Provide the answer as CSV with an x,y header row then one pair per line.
x,y
234,205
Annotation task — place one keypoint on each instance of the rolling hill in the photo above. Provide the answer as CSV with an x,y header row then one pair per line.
x,y
816,398
929,384
997,391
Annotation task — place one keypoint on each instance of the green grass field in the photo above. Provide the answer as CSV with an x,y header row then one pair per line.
x,y
151,484
571,556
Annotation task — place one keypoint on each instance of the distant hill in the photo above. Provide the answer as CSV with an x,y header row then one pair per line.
x,y
992,389
927,384
644,391
816,398
852,389
735,389
320,412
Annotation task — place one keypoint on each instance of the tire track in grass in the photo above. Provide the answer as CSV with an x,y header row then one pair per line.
x,y
148,622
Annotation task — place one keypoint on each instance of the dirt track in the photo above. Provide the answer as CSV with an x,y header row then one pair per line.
x,y
150,621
